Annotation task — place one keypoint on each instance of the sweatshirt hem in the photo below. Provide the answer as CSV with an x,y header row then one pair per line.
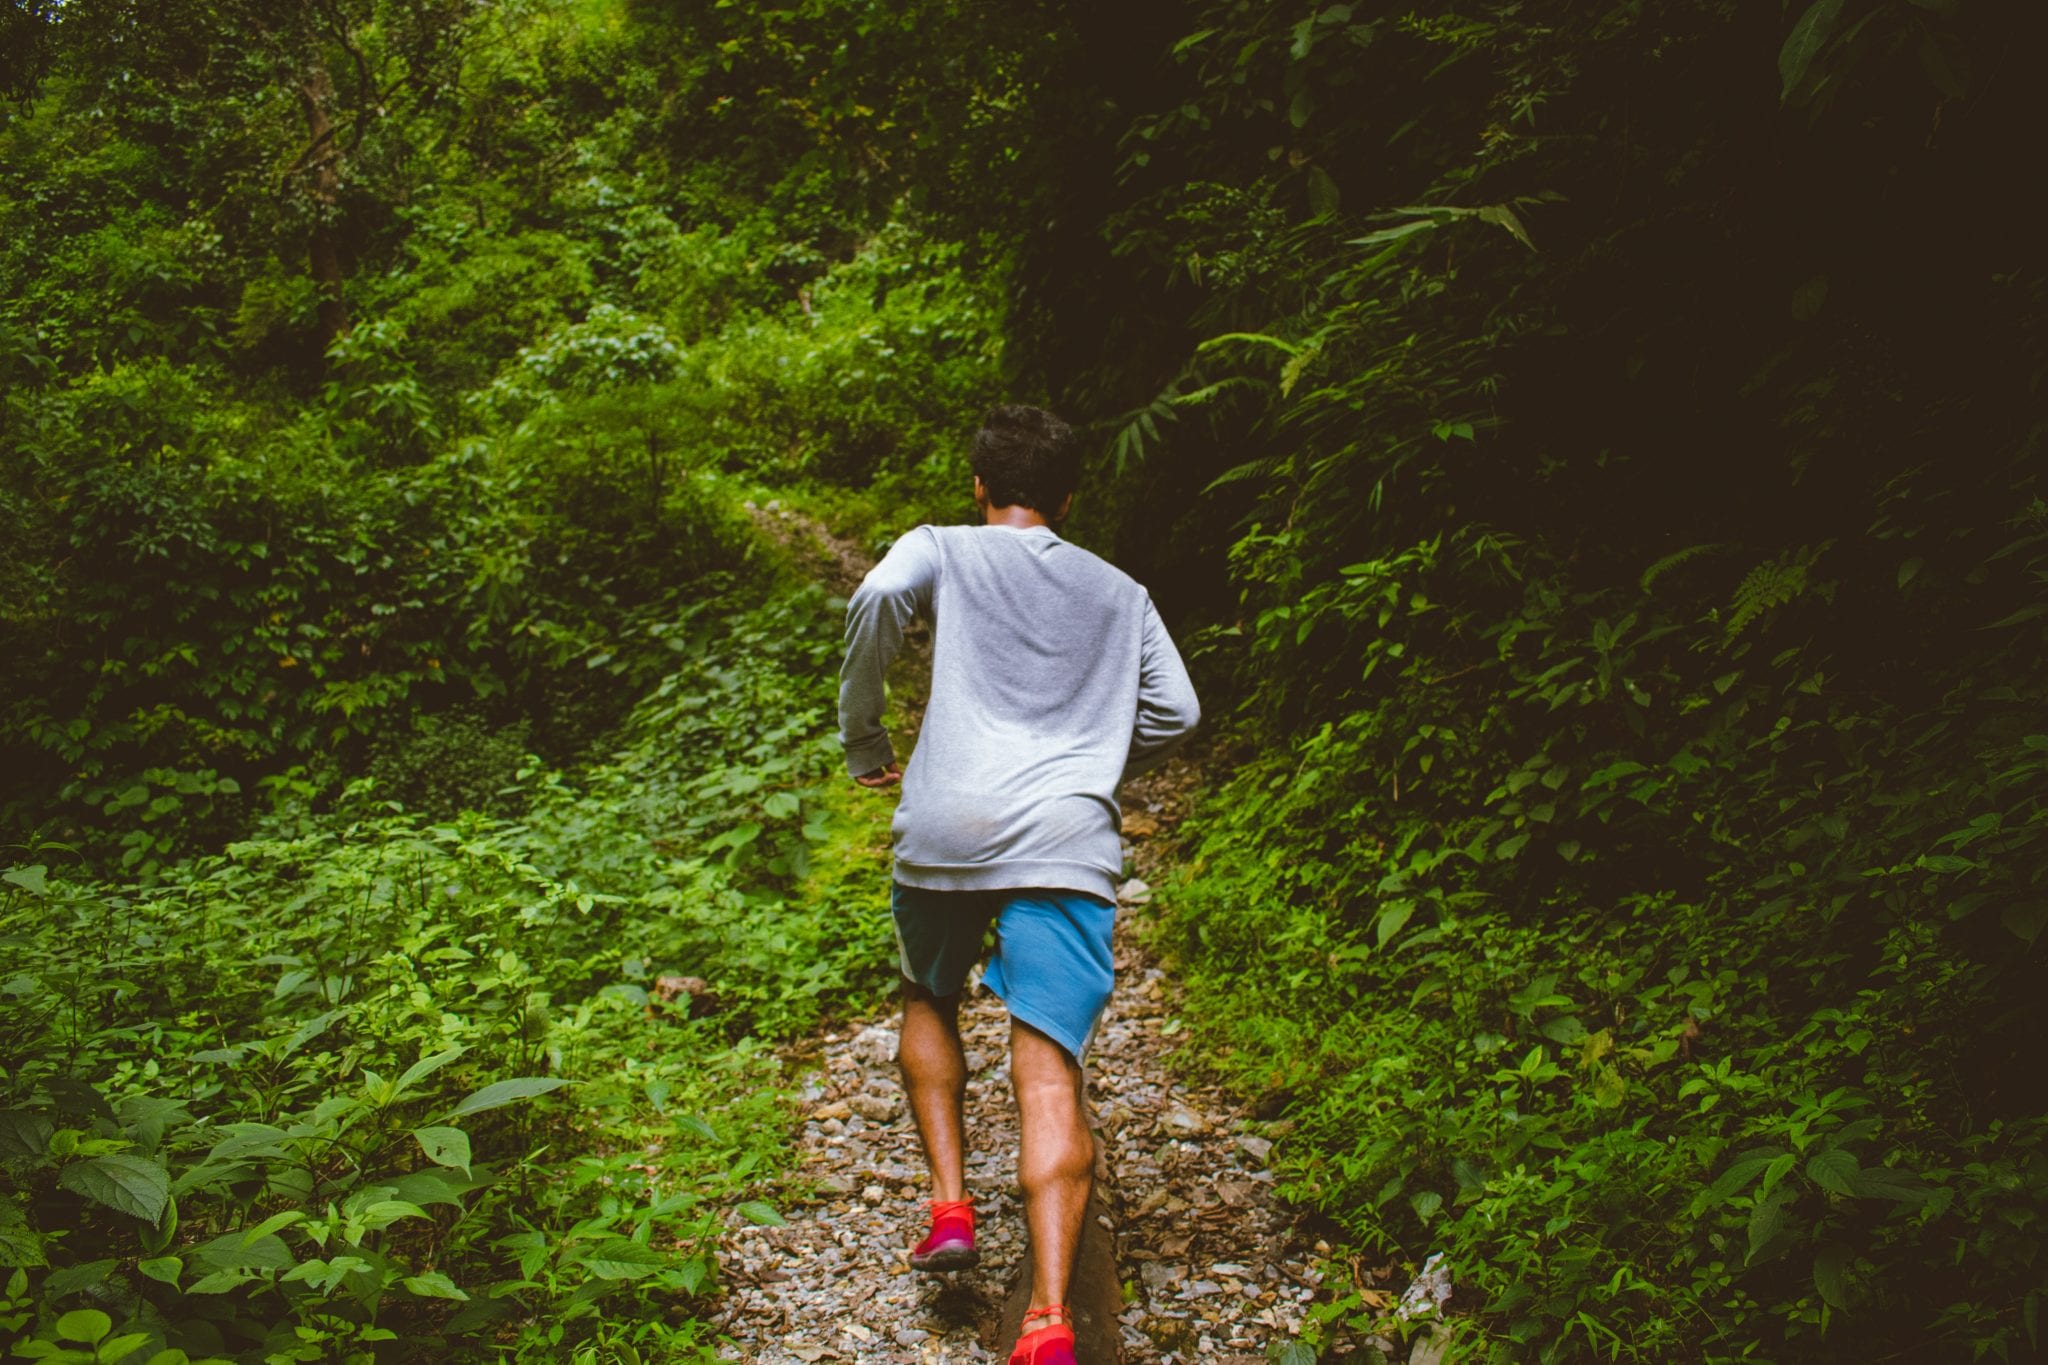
x,y
1053,873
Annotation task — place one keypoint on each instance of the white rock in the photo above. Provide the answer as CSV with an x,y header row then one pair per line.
x,y
875,1044
878,1108
1430,1291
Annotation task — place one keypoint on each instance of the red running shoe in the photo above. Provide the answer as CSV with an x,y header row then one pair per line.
x,y
951,1243
1052,1345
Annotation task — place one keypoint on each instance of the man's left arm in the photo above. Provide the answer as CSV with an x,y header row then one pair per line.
x,y
894,592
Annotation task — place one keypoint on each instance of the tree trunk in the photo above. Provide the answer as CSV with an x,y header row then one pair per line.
x,y
322,171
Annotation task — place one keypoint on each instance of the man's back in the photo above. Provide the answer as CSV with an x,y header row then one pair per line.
x,y
1052,679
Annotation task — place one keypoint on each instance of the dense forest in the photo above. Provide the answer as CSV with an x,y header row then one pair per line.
x,y
1592,456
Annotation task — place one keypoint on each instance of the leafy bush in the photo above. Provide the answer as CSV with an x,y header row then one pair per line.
x,y
273,1108
1662,980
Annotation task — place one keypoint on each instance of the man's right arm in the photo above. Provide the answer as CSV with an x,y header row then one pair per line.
x,y
1168,710
894,592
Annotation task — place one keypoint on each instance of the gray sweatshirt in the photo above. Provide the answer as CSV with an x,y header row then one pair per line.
x,y
1053,679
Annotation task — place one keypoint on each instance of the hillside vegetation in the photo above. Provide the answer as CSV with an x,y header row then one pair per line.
x,y
1592,458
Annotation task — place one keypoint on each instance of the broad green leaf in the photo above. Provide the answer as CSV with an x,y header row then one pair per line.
x,y
24,1136
506,1092
1766,1220
134,1186
1294,1353
30,878
1946,62
248,1139
1834,1171
121,1347
84,1324
434,1285
1323,194
222,1281
754,1211
692,1273
444,1146
1740,1173
1830,1275
272,1224
308,1031
73,1279
384,1212
1883,1182
622,1259
166,1269
433,1185
20,1244
230,1252
2024,920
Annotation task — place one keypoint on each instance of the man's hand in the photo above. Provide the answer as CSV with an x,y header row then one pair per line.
x,y
882,777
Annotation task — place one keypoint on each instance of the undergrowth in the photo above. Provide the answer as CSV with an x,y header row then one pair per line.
x,y
367,1075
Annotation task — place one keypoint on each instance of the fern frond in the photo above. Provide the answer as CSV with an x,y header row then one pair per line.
x,y
1250,469
1763,588
1672,561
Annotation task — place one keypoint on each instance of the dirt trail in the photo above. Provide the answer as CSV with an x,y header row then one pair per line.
x,y
1214,1268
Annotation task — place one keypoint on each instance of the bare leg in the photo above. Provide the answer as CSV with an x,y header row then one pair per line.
x,y
935,1075
1057,1166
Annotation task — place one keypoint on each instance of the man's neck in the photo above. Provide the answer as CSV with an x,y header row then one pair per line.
x,y
1016,515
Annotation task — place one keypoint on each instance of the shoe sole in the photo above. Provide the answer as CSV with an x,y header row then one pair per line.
x,y
946,1258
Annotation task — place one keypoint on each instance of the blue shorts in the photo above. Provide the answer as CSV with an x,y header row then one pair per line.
x,y
1051,964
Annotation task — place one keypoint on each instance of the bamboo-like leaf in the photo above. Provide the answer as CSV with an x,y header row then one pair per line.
x,y
425,1067
1805,42
506,1092
1393,233
1255,338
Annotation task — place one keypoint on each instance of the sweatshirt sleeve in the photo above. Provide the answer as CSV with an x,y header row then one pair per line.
x,y
1167,707
894,591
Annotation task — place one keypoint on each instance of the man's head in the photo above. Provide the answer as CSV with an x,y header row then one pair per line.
x,y
1026,457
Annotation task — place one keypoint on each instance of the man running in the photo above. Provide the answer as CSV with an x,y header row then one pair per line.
x,y
1053,680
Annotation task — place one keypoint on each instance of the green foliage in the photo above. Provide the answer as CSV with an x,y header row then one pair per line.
x,y
1626,601
400,687
1597,449
1651,977
363,1076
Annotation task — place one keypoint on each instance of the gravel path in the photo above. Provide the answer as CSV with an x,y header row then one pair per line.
x,y
1215,1268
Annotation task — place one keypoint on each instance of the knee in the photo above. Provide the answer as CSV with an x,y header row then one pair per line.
x,y
1057,1158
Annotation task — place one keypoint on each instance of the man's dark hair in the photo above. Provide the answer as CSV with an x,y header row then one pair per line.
x,y
1026,457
